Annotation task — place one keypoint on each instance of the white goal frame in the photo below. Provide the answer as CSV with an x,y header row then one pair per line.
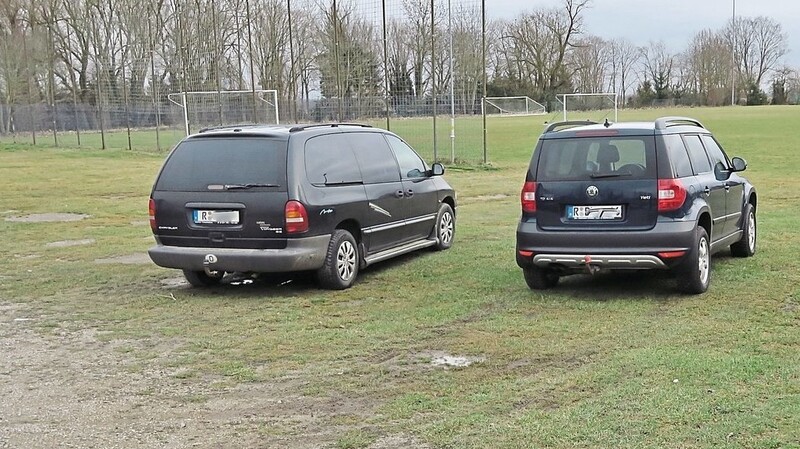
x,y
266,96
612,95
532,107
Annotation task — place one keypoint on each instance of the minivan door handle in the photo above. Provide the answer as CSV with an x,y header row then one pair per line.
x,y
707,190
399,194
410,192
727,187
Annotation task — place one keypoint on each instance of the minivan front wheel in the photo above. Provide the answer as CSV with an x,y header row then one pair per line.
x,y
445,227
695,273
340,268
201,279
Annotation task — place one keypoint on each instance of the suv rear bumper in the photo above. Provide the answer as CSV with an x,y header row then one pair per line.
x,y
300,254
604,249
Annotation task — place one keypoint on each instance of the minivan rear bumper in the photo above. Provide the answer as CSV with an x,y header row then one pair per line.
x,y
300,254
605,249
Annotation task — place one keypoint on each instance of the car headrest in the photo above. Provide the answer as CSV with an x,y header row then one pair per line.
x,y
607,154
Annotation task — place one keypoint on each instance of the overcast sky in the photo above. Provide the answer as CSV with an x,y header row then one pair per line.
x,y
674,21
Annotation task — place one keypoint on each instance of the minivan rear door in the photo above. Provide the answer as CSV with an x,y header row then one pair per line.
x,y
223,191
597,183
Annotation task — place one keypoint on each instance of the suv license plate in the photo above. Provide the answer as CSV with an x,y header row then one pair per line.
x,y
216,216
594,212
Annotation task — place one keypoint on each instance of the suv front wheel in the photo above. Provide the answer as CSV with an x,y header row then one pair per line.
x,y
746,247
341,262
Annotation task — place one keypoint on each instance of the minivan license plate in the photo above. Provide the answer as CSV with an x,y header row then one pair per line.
x,y
594,212
215,216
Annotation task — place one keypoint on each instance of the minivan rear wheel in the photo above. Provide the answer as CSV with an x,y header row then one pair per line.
x,y
202,279
539,278
340,268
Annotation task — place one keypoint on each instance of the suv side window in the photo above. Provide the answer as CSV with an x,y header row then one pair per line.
x,y
697,154
678,156
330,161
411,166
374,157
715,153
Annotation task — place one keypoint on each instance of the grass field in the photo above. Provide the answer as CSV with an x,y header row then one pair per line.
x,y
610,361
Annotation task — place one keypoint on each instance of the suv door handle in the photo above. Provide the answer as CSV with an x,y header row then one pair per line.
x,y
410,192
707,190
399,193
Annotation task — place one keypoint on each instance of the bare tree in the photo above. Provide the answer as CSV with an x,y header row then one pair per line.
x,y
658,66
624,57
591,61
709,64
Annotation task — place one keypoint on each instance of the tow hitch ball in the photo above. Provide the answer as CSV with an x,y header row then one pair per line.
x,y
592,269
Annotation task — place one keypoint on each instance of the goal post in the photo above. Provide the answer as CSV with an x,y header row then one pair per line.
x,y
226,107
591,103
519,105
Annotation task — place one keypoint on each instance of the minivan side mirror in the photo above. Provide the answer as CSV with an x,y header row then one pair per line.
x,y
739,164
437,169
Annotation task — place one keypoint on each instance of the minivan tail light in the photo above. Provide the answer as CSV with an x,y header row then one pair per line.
x,y
528,197
151,210
296,217
671,195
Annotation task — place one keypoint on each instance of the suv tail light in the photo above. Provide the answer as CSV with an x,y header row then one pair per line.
x,y
296,217
528,197
151,210
671,195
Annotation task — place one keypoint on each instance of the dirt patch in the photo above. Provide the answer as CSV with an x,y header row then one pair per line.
x,y
398,442
68,243
48,218
175,282
140,223
130,259
482,198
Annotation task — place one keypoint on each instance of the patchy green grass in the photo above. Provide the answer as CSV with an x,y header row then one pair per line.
x,y
611,361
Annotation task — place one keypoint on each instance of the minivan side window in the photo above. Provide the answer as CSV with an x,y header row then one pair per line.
x,y
697,154
330,161
374,157
411,166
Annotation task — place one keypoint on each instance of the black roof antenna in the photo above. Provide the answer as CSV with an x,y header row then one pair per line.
x,y
606,124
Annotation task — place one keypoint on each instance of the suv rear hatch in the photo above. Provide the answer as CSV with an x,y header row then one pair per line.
x,y
222,192
606,183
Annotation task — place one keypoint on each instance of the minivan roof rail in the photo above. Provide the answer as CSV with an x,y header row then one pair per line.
x,y
572,123
666,122
332,125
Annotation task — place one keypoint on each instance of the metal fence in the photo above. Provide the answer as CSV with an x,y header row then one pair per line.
x,y
130,73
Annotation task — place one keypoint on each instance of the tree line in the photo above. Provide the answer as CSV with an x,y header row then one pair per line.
x,y
400,56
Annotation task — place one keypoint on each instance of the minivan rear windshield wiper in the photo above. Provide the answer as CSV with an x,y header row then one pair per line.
x,y
249,185
608,175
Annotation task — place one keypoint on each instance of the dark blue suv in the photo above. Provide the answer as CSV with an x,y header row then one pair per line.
x,y
631,196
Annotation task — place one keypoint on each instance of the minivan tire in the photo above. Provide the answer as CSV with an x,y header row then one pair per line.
x,y
539,278
202,279
695,272
341,264
445,227
746,247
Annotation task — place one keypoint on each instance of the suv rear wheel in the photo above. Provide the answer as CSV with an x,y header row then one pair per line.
x,y
341,262
746,247
539,278
201,279
695,273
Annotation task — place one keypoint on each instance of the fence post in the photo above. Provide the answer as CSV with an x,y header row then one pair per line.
x,y
433,79
29,77
485,77
74,86
387,98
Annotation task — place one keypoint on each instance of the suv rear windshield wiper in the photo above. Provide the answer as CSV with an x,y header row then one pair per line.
x,y
249,185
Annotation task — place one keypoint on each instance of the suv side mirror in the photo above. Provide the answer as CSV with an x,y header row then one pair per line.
x,y
739,164
437,169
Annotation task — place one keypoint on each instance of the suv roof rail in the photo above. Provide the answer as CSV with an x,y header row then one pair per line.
x,y
332,125
552,127
666,122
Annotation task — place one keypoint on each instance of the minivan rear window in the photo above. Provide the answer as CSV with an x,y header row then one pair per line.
x,y
201,164
597,157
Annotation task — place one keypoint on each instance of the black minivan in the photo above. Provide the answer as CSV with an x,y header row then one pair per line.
x,y
330,199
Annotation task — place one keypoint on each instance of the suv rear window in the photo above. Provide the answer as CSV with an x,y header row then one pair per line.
x,y
198,163
600,157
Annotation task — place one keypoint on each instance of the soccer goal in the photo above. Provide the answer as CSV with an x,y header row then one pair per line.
x,y
504,106
594,106
227,107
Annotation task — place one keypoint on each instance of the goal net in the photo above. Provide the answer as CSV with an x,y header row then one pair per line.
x,y
228,107
594,106
523,105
